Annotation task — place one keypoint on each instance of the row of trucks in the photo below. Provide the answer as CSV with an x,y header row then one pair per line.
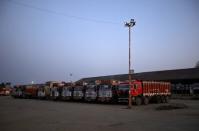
x,y
103,91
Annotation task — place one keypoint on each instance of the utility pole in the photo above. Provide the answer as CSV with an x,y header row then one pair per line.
x,y
129,25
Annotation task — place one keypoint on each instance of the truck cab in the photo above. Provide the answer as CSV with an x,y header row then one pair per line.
x,y
67,91
123,90
91,92
78,92
55,90
17,91
41,94
107,91
5,89
30,91
136,88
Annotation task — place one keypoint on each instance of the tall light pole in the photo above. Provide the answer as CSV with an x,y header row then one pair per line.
x,y
70,77
129,25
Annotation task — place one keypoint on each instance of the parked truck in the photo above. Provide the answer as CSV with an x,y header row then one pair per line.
x,y
67,91
17,91
107,91
79,92
5,89
56,90
143,92
91,92
42,91
30,91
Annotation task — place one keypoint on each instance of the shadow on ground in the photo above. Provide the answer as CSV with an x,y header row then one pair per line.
x,y
172,106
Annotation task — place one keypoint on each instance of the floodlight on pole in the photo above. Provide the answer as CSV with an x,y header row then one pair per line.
x,y
129,25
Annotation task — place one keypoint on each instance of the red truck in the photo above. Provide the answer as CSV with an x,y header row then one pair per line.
x,y
30,91
144,91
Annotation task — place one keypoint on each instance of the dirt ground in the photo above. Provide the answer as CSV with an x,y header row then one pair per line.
x,y
37,115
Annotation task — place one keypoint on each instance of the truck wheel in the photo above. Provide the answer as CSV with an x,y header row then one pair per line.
x,y
166,99
158,99
145,100
114,101
163,99
138,101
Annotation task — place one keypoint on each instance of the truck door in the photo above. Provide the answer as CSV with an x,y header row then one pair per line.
x,y
136,88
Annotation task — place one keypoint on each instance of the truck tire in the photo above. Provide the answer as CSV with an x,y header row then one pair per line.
x,y
166,99
145,100
158,99
114,101
138,101
163,99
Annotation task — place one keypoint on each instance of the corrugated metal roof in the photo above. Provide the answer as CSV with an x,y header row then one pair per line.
x,y
169,75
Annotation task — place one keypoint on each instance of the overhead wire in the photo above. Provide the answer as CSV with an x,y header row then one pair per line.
x,y
63,14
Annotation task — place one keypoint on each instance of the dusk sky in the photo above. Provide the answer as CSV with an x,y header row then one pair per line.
x,y
43,40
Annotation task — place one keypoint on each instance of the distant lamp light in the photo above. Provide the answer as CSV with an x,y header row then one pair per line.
x,y
130,24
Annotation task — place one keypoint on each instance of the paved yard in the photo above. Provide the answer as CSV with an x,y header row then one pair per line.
x,y
34,115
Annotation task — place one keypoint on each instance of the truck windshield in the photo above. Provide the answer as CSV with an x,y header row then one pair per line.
x,y
91,87
67,88
104,87
78,88
123,87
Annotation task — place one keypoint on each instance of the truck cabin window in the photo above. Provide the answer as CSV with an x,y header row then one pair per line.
x,y
78,88
123,87
91,87
105,87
